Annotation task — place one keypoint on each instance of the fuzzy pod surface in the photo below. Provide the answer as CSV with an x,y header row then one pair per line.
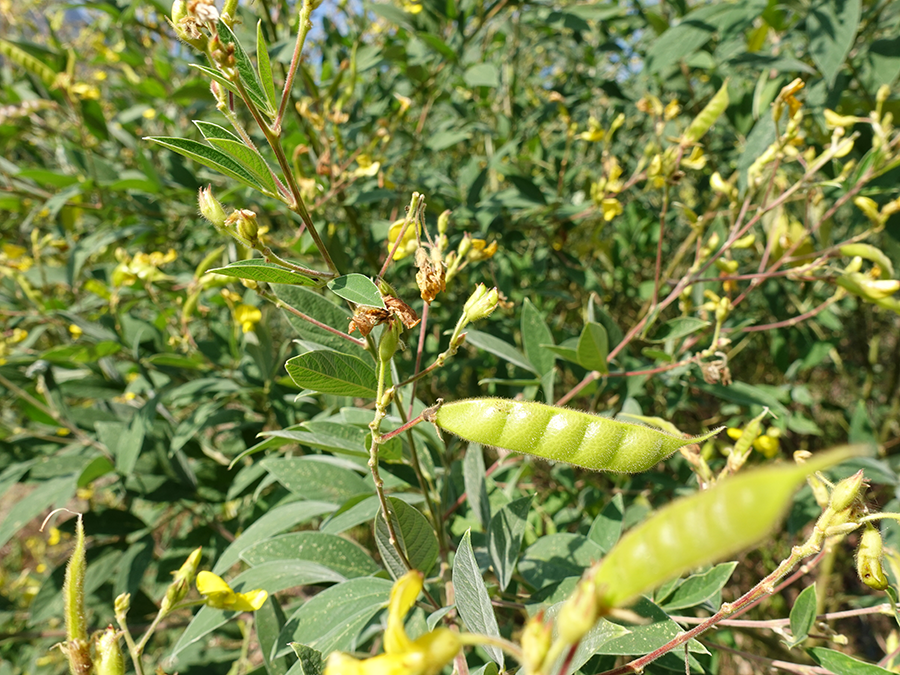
x,y
560,434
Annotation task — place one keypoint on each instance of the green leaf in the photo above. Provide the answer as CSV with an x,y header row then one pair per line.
x,y
309,660
831,27
472,600
277,520
261,270
554,557
246,71
678,328
321,309
607,526
336,553
357,288
803,615
482,75
657,630
506,531
315,478
332,619
212,158
250,159
699,588
215,75
417,539
498,347
567,350
534,333
593,348
841,664
270,619
332,372
51,493
271,577
265,67
473,479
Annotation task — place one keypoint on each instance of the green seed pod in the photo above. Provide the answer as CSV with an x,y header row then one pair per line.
x,y
871,253
868,559
700,529
109,655
560,434
708,116
73,588
76,648
390,340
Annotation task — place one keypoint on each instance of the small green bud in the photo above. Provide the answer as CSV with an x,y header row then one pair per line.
x,y
868,559
464,246
184,577
579,613
210,208
109,655
443,222
179,10
121,606
390,339
242,225
481,303
385,288
847,491
536,640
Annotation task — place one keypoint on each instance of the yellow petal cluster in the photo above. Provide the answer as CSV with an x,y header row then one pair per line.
x,y
219,594
426,655
248,316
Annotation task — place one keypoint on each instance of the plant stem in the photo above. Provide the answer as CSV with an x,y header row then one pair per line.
x,y
269,254
303,26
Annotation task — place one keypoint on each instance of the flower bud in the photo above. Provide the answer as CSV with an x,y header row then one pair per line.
x,y
579,613
481,303
73,588
443,222
870,210
184,577
464,246
179,10
847,491
536,640
242,226
210,208
122,605
868,559
390,339
109,655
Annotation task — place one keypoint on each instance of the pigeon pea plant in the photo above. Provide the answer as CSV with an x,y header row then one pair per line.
x,y
570,602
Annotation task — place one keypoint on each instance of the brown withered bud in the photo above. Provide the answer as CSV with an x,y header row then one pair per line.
x,y
402,311
365,318
431,276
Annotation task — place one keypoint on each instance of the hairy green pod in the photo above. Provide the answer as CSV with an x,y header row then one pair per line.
x,y
33,65
705,527
560,434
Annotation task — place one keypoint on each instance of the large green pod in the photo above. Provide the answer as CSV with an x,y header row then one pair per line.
x,y
560,434
706,527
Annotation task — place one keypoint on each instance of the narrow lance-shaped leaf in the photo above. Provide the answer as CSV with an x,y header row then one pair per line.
x,y
708,526
213,158
265,67
246,71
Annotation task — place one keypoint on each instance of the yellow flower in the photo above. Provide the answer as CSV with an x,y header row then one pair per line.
x,y
366,166
75,331
408,244
149,114
143,267
697,159
219,594
594,133
611,208
426,655
248,316
412,7
481,250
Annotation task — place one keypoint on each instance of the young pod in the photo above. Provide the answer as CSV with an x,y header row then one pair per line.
x,y
560,434
868,559
701,529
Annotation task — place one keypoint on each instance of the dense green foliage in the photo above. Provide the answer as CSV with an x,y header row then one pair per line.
x,y
676,228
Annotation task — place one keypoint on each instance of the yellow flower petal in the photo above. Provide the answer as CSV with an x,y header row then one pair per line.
x,y
403,597
219,594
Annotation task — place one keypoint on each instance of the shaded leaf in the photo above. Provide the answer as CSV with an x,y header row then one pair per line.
x,y
472,600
